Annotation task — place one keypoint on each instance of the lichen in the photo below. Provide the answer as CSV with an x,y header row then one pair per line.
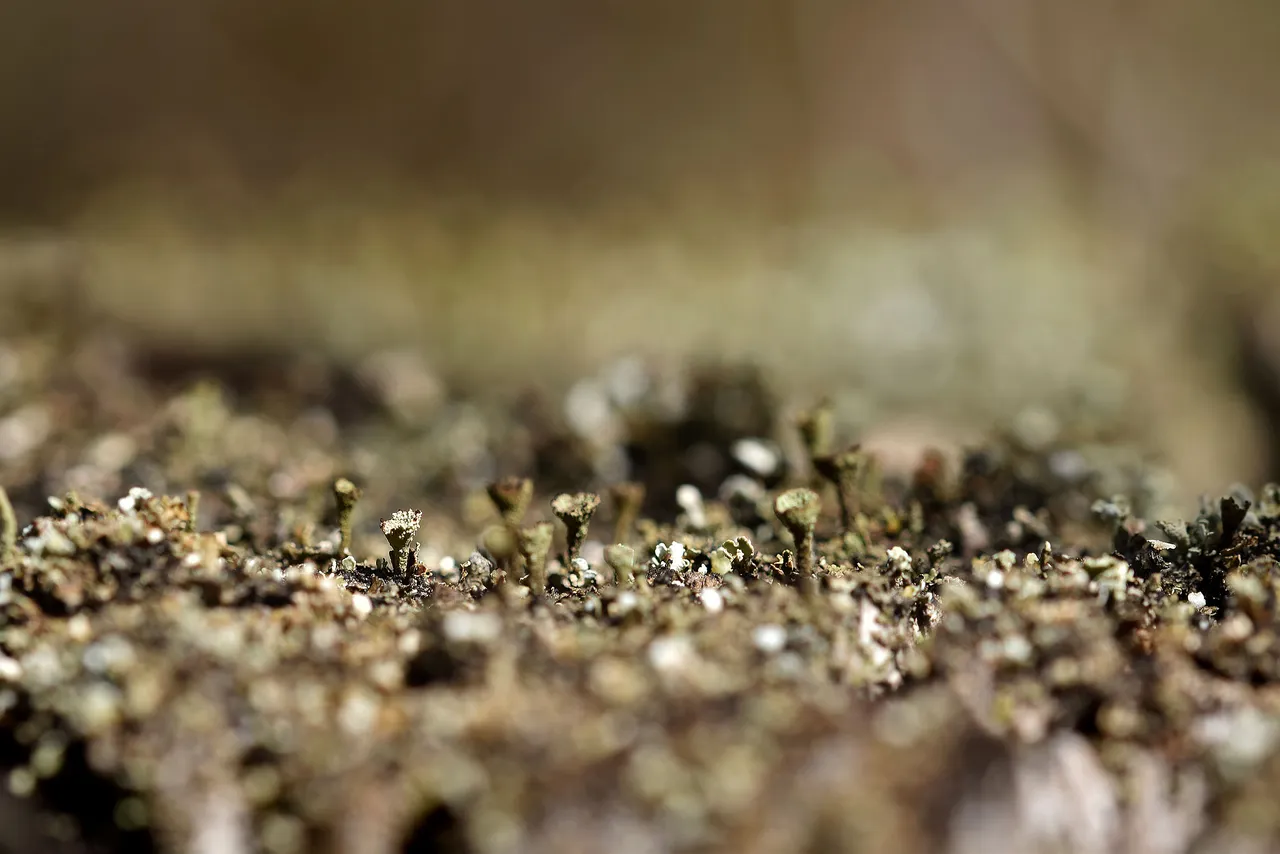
x,y
736,666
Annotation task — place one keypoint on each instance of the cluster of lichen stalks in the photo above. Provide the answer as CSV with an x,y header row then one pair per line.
x,y
522,553
700,684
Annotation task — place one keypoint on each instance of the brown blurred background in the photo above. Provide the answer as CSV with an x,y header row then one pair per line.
x,y
948,209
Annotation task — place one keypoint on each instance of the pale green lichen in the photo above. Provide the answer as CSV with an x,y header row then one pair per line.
x,y
817,429
622,560
535,544
400,531
345,496
798,510
575,510
628,499
845,471
511,497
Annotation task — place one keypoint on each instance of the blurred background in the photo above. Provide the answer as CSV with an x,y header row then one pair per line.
x,y
946,211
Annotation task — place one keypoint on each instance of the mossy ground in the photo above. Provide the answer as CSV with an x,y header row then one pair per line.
x,y
990,650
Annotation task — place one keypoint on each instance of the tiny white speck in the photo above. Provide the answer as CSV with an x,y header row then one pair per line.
x,y
757,455
361,604
690,500
769,638
670,653
472,627
22,782
359,713
741,486
78,628
1196,599
410,642
1018,649
626,603
10,669
130,502
711,600
325,636
899,559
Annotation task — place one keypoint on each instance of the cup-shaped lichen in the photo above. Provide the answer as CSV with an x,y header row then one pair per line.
x,y
535,545
575,510
345,496
817,429
845,470
400,531
628,499
622,560
511,496
502,544
798,510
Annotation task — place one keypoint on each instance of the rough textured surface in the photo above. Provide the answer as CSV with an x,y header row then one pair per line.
x,y
999,649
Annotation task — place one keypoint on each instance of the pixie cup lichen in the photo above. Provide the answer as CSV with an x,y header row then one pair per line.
x,y
628,499
575,510
817,429
845,470
535,545
622,560
798,510
511,497
345,496
400,531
